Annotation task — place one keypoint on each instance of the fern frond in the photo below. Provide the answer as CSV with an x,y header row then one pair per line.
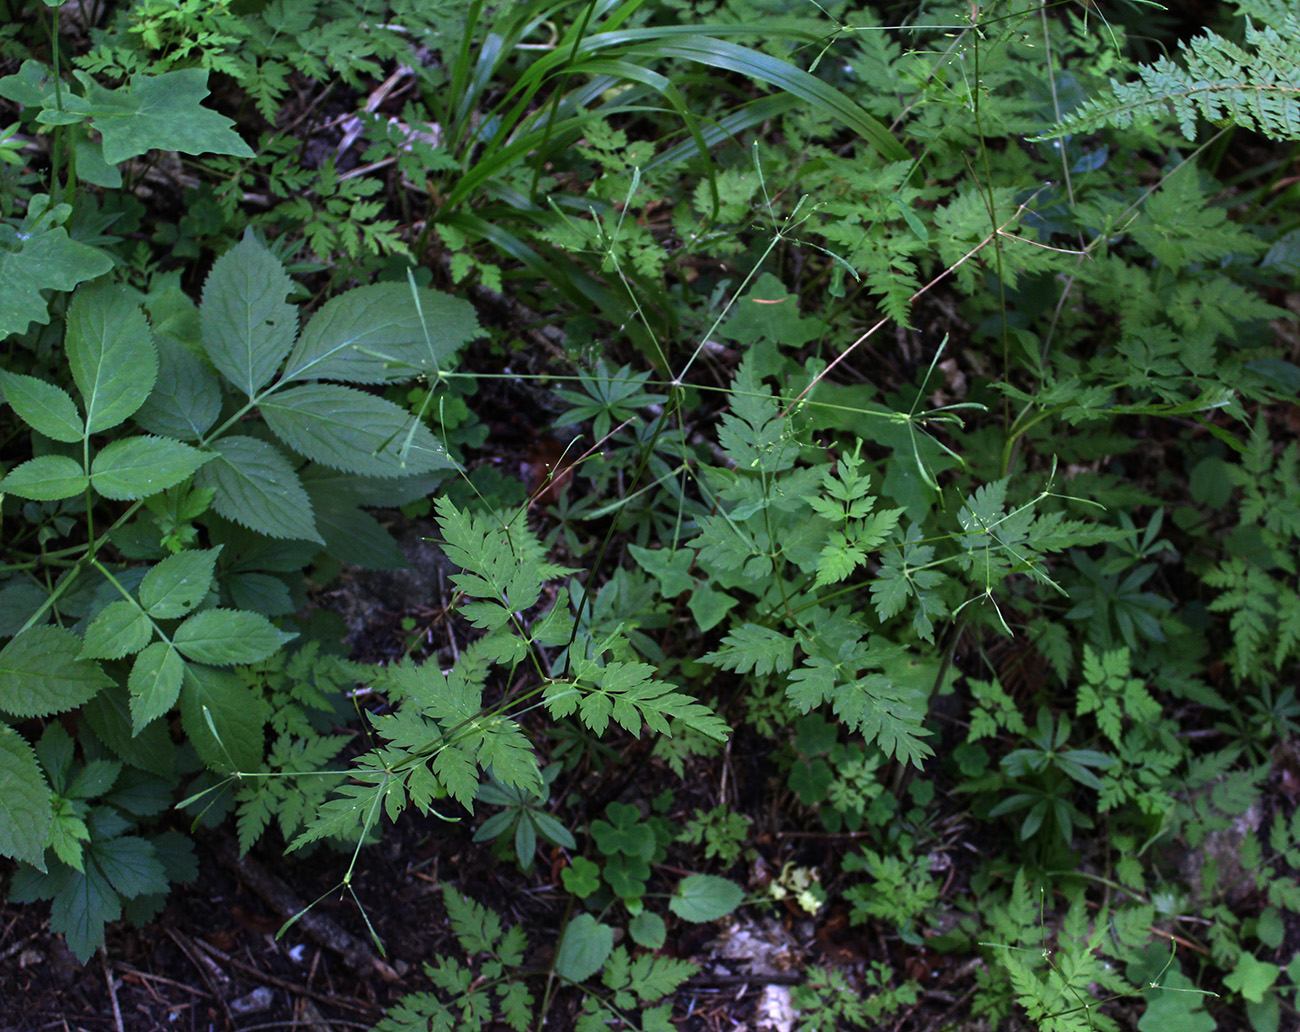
x,y
1256,86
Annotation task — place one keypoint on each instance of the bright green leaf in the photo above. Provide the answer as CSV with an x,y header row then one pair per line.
x,y
42,406
223,637
137,467
705,897
111,353
120,629
178,583
45,479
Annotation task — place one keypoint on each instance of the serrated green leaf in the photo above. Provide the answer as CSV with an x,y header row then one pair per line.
x,y
255,486
648,929
705,897
378,333
25,801
37,256
41,673
248,327
157,112
109,716
45,408
218,699
85,902
46,478
131,865
222,637
584,948
752,648
178,583
186,397
111,354
353,431
154,682
120,629
141,466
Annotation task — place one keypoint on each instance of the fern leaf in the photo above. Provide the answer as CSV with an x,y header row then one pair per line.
x,y
1256,86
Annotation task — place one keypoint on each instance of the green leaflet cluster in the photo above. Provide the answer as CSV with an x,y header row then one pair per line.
x,y
229,422
1255,86
445,734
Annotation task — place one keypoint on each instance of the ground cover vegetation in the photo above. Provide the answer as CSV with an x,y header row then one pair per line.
x,y
896,536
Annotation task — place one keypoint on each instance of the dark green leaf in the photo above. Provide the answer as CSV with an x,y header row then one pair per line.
x,y
38,256
186,398
705,897
131,865
584,948
235,710
40,673
353,431
256,487
84,903
157,112
248,327
25,801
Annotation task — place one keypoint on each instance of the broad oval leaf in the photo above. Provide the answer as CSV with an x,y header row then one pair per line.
x,y
111,354
138,467
648,929
705,897
255,486
382,332
45,479
41,673
26,813
584,948
178,583
45,408
223,637
353,431
248,327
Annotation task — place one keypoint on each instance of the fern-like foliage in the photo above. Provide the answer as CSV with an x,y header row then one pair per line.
x,y
1256,85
